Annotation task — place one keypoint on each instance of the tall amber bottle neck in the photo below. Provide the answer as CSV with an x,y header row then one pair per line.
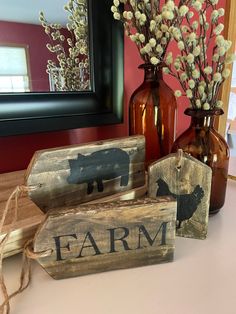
x,y
151,72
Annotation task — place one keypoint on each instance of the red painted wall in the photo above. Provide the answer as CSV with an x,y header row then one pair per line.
x,y
32,36
16,151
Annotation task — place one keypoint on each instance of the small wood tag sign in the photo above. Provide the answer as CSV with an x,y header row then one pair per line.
x,y
95,238
188,181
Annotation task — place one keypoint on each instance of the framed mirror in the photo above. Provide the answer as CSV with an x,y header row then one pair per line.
x,y
38,105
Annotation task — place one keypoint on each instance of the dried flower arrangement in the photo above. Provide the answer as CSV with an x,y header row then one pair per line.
x,y
71,71
148,24
201,66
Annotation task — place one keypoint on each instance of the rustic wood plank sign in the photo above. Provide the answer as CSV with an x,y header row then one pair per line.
x,y
96,238
77,174
189,182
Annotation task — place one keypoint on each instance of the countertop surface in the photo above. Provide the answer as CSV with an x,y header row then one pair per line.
x,y
201,280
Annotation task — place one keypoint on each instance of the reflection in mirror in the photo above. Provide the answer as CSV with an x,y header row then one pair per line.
x,y
44,46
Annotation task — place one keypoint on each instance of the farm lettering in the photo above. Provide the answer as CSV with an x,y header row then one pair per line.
x,y
117,240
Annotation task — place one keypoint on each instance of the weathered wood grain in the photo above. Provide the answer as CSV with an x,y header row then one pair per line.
x,y
29,215
190,185
96,238
77,174
133,194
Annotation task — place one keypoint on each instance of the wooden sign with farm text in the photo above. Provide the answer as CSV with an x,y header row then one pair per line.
x,y
188,181
101,237
82,173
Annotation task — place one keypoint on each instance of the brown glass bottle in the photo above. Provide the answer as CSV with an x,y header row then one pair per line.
x,y
152,113
203,142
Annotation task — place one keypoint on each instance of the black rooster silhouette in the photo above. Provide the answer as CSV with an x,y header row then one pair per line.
x,y
187,204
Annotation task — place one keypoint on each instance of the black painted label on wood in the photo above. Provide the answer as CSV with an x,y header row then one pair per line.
x,y
117,240
187,204
102,165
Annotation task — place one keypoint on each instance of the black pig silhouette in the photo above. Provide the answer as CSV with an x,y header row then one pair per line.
x,y
102,165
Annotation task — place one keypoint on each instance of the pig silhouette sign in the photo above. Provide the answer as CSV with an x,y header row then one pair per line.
x,y
99,166
82,173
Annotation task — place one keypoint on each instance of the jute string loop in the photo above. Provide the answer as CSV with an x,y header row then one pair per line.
x,y
28,253
179,159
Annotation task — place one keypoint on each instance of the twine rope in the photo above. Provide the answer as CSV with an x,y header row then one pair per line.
x,y
231,177
28,253
179,160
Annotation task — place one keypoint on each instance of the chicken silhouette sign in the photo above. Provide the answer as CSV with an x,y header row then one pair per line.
x,y
188,181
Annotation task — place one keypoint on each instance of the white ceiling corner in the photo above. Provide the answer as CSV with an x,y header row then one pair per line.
x,y
27,11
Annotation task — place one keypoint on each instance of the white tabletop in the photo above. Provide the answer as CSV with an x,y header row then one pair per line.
x,y
201,280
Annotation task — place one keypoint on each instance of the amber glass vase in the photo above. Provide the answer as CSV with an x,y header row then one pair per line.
x,y
203,142
152,113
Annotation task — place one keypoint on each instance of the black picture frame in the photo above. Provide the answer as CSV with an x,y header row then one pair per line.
x,y
26,113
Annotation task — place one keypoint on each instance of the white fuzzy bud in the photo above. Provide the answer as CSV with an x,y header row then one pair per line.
x,y
198,103
196,51
217,77
219,104
201,90
183,77
178,93
190,58
116,2
197,5
195,25
206,106
169,58
191,84
165,70
137,15
167,15
215,57
190,14
183,10
141,37
226,73
147,48
196,74
158,34
208,70
221,51
129,15
181,45
116,16
159,49
214,15
154,60
219,28
113,9
189,93
152,42
221,12
164,28
231,58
